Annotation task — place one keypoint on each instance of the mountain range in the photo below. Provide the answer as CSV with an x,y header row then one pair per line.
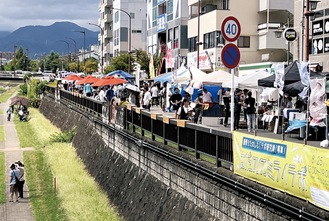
x,y
41,40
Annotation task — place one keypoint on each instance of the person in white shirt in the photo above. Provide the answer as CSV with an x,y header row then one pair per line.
x,y
102,95
102,98
206,96
155,95
184,110
147,99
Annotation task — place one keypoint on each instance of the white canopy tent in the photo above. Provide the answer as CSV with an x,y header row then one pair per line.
x,y
200,78
249,81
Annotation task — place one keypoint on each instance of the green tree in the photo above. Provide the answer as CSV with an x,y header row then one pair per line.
x,y
119,63
91,65
143,59
22,62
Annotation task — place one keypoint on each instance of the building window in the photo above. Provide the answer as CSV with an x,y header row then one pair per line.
x,y
176,37
213,39
244,42
223,5
192,44
170,9
116,16
132,15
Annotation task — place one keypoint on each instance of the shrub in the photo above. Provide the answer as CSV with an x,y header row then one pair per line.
x,y
64,137
35,102
22,89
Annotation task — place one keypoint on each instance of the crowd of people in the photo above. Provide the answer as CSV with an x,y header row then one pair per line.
x,y
17,181
155,95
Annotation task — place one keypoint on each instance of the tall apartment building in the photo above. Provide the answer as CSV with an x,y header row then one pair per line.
x,y
167,30
318,44
259,20
117,18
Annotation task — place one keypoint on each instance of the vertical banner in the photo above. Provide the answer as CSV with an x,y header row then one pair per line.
x,y
300,170
305,78
279,77
169,56
317,105
151,67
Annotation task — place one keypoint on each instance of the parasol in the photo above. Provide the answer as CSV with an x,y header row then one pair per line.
x,y
73,77
19,100
109,81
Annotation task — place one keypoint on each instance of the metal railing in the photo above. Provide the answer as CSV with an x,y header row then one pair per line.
x,y
198,140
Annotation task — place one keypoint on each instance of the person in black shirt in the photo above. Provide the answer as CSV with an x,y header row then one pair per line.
x,y
227,103
250,111
237,109
175,100
183,111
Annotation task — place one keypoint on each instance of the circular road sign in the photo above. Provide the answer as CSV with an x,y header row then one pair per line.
x,y
290,34
231,28
230,56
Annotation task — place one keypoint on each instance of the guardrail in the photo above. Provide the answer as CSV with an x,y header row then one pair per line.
x,y
201,141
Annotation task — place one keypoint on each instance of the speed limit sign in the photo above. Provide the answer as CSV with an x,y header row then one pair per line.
x,y
231,29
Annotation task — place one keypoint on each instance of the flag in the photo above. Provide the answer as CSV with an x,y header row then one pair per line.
x,y
151,67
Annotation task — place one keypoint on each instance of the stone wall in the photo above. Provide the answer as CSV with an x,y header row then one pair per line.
x,y
147,186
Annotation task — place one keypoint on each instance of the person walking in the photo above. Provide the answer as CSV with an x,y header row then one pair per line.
x,y
14,174
250,112
10,111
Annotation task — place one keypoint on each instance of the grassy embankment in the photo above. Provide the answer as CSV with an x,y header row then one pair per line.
x,y
77,197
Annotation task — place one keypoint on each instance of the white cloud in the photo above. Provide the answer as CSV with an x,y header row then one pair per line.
x,y
15,13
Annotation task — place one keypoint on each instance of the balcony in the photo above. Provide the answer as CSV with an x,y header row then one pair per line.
x,y
267,39
108,34
108,18
275,5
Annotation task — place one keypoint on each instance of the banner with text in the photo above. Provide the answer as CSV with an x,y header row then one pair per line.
x,y
300,170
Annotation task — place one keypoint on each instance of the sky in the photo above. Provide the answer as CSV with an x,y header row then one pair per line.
x,y
17,13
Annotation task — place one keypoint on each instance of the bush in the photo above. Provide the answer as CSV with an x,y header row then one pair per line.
x,y
22,89
64,137
35,102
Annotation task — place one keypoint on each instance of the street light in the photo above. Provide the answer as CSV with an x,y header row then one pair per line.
x,y
84,46
129,36
310,5
75,51
68,52
102,44
198,40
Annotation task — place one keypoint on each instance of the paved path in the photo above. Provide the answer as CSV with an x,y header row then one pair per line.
x,y
21,210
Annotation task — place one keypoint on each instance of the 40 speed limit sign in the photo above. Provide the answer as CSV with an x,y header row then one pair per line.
x,y
231,28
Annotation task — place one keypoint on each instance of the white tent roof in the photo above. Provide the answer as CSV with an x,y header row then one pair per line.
x,y
247,81
216,77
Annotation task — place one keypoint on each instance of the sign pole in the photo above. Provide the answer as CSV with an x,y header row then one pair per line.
x,y
232,98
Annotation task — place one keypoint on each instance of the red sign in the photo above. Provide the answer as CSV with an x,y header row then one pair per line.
x,y
231,29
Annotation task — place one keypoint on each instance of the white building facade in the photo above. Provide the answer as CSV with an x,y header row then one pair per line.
x,y
117,18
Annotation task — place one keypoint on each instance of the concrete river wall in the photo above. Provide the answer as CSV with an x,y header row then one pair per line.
x,y
145,185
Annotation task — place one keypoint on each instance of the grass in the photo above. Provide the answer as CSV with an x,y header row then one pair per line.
x,y
1,111
7,94
2,134
78,196
2,179
45,204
